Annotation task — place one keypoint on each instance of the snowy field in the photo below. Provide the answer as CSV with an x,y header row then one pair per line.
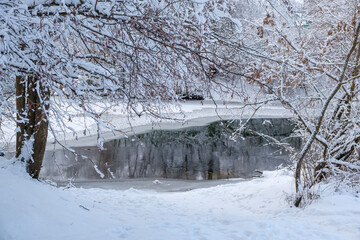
x,y
254,209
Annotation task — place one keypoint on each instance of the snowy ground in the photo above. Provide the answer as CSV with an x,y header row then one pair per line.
x,y
255,209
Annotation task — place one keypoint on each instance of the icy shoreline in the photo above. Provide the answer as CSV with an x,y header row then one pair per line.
x,y
195,113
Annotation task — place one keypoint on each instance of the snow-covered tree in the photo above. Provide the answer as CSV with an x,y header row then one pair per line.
x,y
72,53
147,53
307,58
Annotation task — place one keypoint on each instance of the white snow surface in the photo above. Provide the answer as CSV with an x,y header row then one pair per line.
x,y
255,209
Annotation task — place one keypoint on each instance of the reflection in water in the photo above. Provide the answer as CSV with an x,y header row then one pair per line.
x,y
206,152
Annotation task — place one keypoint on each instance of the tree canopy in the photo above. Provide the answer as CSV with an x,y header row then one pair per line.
x,y
147,53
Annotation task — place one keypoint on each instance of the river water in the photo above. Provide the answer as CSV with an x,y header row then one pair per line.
x,y
195,153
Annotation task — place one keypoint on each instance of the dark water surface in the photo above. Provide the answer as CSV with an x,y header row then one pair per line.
x,y
194,153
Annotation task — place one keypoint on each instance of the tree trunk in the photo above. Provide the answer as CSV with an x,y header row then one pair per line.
x,y
20,118
31,104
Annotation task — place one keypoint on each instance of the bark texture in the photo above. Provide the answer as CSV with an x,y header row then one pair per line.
x,y
31,104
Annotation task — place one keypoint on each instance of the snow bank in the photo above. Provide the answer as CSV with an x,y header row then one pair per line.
x,y
34,210
256,209
194,113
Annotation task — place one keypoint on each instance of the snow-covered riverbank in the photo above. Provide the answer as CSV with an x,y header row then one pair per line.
x,y
255,209
193,113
